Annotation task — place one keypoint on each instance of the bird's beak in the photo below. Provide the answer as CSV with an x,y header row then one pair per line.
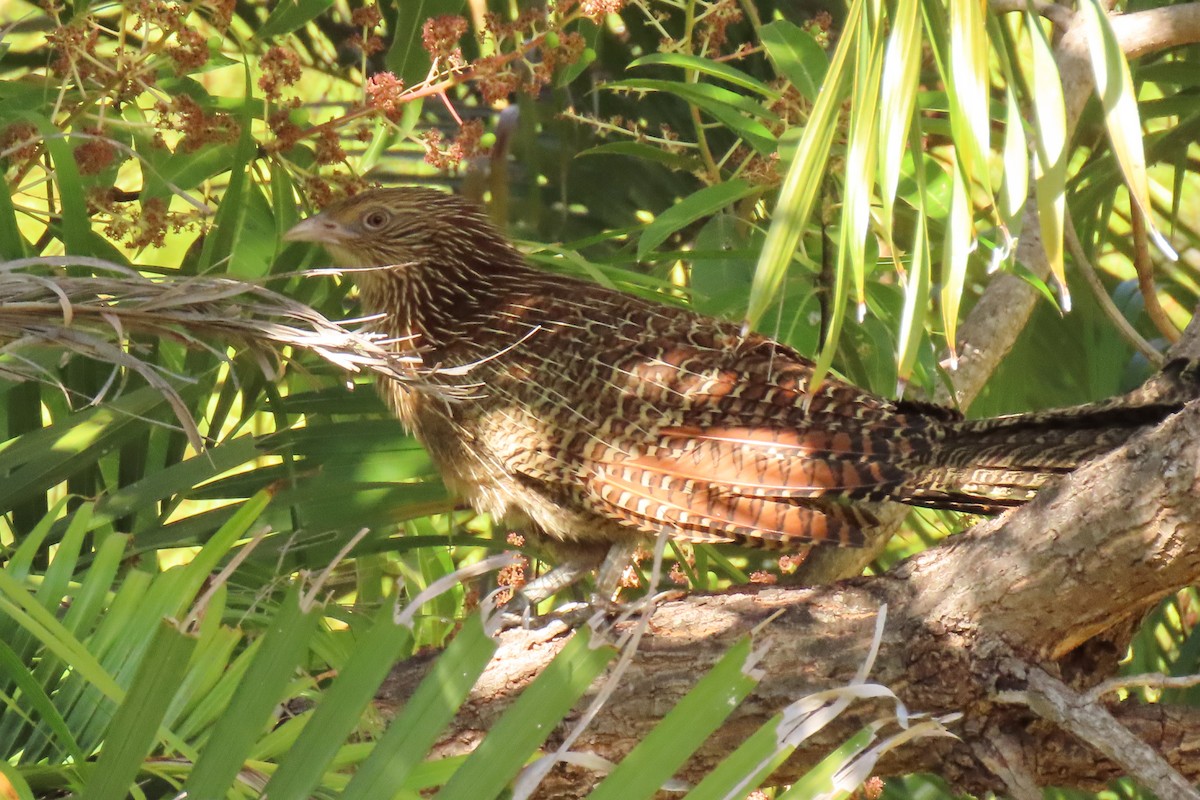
x,y
319,229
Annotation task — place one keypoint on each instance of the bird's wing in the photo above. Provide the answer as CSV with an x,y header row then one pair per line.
x,y
654,495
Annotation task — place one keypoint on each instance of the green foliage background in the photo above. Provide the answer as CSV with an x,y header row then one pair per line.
x,y
217,618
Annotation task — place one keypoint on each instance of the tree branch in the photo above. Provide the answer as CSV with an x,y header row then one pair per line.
x,y
964,620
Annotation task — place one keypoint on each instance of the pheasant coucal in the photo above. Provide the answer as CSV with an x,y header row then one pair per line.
x,y
597,417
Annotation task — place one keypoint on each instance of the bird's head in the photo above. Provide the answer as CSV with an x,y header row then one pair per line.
x,y
407,226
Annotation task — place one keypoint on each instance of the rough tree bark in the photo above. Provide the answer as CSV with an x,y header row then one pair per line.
x,y
1052,590
1009,623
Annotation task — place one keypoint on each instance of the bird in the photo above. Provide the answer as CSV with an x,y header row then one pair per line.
x,y
595,418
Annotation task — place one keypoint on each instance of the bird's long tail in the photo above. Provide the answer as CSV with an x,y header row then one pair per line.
x,y
985,466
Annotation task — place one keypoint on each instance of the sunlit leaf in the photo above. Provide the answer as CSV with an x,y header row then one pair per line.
x,y
1114,87
796,56
1050,157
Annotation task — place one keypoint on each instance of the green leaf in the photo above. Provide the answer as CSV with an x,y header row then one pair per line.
x,y
263,686
341,708
698,205
898,92
706,66
968,82
426,713
803,180
916,292
12,243
228,226
737,112
288,15
46,457
796,56
1114,87
645,151
133,731
1050,157
529,720
955,251
685,727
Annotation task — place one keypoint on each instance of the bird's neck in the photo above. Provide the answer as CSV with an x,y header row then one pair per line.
x,y
433,306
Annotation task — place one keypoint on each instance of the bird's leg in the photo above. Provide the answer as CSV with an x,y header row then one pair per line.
x,y
518,612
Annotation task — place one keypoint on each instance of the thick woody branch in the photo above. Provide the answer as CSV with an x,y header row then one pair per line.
x,y
964,619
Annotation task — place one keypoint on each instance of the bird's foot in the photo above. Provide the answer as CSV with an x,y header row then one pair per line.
x,y
518,613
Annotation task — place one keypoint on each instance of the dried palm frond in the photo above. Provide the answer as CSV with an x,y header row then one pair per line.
x,y
94,316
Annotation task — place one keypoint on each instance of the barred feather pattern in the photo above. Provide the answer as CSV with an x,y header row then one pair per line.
x,y
594,414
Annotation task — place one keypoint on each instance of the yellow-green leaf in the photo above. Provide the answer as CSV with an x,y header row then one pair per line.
x,y
1114,87
1050,157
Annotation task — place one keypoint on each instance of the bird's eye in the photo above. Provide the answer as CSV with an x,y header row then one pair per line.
x,y
374,220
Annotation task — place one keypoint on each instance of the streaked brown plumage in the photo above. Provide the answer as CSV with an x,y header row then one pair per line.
x,y
598,415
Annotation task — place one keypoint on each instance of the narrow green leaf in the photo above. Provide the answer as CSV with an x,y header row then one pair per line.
x,y
648,766
528,721
132,734
641,150
40,706
897,98
860,159
196,572
803,178
968,83
17,788
737,112
175,479
48,456
340,709
818,781
707,66
955,251
796,56
76,224
413,732
248,714
698,205
1050,157
1114,87
12,243
221,242
289,15
30,544
707,96
916,300
30,615
1015,190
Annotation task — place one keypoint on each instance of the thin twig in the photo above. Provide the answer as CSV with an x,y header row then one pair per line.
x,y
1145,273
1123,326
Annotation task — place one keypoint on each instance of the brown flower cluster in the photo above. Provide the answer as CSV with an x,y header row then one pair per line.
x,y
440,37
321,190
137,227
190,52
385,92
515,575
464,146
819,27
712,30
280,68
367,18
95,154
197,126
19,142
74,48
598,9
